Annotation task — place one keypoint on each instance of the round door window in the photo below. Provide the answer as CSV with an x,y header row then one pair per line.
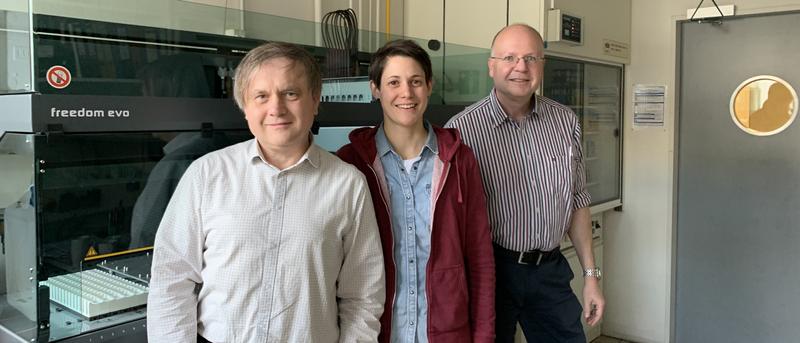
x,y
763,105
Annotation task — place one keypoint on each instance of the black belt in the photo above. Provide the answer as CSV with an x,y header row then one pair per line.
x,y
535,257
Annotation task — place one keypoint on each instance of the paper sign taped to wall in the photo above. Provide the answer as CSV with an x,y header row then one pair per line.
x,y
648,105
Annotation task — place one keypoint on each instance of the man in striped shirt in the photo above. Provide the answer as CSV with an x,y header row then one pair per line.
x,y
529,151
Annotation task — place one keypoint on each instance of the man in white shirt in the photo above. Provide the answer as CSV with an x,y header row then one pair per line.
x,y
272,239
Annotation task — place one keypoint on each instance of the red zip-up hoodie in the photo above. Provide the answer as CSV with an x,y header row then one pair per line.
x,y
460,278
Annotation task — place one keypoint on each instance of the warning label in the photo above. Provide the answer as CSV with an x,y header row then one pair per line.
x,y
58,77
91,252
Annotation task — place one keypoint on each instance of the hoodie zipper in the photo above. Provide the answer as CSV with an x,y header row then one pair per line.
x,y
394,263
431,256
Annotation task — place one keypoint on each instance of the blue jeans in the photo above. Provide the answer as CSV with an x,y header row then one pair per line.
x,y
539,298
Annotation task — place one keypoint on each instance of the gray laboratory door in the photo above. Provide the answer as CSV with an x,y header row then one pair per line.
x,y
738,195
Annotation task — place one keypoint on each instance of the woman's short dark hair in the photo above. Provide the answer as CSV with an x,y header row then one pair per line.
x,y
400,47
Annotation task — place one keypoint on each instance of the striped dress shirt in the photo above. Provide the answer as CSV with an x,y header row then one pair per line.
x,y
532,170
249,253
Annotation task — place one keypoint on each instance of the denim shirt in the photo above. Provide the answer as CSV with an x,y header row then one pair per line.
x,y
410,208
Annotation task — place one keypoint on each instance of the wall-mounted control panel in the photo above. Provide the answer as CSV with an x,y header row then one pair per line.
x,y
564,28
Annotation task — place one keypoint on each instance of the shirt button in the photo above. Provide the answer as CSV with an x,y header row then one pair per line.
x,y
410,228
412,292
408,197
410,261
411,323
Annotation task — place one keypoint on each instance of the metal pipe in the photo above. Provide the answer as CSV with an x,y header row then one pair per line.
x,y
388,19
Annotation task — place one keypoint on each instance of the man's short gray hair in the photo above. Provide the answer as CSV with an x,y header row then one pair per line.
x,y
271,50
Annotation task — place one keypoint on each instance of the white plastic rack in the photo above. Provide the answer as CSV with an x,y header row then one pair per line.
x,y
93,293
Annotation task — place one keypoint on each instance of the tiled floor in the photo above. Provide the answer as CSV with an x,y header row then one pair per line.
x,y
606,339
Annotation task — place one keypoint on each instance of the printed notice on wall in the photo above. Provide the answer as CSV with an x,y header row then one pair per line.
x,y
648,105
614,48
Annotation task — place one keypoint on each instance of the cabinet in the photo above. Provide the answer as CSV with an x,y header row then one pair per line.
x,y
465,29
601,133
594,92
529,12
423,19
468,22
473,22
465,22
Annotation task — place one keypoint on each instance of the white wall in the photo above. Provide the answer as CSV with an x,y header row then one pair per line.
x,y
639,240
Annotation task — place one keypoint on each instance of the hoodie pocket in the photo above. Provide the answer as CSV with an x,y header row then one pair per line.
x,y
449,303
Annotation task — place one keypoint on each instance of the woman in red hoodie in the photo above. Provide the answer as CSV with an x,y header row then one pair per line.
x,y
431,209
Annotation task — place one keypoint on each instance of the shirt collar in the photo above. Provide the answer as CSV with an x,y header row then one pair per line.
x,y
382,143
312,154
499,116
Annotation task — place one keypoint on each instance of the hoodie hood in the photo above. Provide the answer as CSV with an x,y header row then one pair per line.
x,y
363,139
448,140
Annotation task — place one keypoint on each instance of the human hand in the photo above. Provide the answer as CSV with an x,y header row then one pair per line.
x,y
593,302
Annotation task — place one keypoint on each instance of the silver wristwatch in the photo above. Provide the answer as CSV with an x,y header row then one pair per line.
x,y
593,272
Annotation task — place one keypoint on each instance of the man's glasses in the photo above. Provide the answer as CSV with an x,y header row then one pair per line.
x,y
514,59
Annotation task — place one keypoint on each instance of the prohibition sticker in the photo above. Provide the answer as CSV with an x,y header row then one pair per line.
x,y
58,77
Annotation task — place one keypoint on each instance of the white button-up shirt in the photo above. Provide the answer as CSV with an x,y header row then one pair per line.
x,y
249,253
